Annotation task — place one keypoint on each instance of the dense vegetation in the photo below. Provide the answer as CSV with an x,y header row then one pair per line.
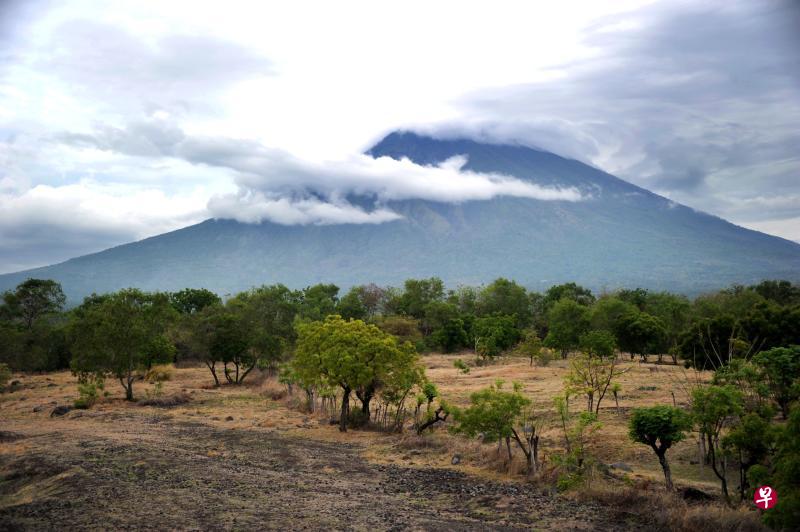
x,y
365,345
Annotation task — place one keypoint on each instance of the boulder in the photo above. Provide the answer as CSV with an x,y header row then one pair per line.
x,y
60,410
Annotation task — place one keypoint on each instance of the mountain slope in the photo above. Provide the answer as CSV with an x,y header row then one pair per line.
x,y
622,235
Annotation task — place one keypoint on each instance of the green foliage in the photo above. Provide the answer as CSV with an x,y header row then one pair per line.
x,y
780,371
504,297
713,407
641,334
492,412
494,334
88,393
160,373
418,294
353,355
660,427
591,376
450,336
113,336
568,321
598,343
578,431
404,328
783,293
461,366
531,348
318,301
571,291
32,300
192,300
785,475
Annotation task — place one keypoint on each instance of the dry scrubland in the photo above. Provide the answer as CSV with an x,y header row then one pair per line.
x,y
244,457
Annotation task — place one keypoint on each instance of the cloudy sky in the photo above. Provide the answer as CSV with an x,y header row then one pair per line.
x,y
122,120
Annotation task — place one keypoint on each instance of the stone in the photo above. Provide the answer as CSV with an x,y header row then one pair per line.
x,y
622,466
60,410
229,418
38,408
456,459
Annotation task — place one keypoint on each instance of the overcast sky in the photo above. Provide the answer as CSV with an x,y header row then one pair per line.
x,y
122,120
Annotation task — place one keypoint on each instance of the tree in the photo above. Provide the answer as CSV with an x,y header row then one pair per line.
x,y
599,344
450,336
785,475
318,301
502,415
608,311
592,376
350,355
781,292
494,334
571,291
418,294
751,441
507,298
780,371
32,336
115,335
640,334
193,300
674,312
660,427
530,346
713,408
568,321
33,299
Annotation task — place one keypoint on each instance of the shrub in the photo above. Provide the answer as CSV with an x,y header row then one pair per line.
x,y
166,402
87,394
161,373
461,366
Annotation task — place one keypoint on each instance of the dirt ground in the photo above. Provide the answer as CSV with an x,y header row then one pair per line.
x,y
235,458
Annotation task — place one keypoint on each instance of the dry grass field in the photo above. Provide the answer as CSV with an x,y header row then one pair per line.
x,y
247,457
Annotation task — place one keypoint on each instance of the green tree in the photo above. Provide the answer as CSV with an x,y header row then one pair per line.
x,y
318,301
501,415
599,344
785,476
568,321
506,298
750,441
494,334
660,427
418,293
192,300
350,355
592,376
530,346
114,335
780,371
640,334
32,300
714,408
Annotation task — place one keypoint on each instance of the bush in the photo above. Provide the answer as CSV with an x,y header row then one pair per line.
x,y
87,392
160,373
461,366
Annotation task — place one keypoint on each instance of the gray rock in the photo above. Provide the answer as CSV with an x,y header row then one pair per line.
x,y
229,418
38,408
456,459
60,410
621,465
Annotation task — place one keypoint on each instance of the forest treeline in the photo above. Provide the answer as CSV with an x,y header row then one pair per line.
x,y
357,356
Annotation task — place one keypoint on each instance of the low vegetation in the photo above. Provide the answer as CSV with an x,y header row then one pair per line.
x,y
356,360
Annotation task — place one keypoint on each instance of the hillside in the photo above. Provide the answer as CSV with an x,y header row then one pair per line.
x,y
622,235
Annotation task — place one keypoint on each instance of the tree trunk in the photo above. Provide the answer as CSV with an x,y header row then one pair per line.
x,y
128,385
345,410
508,447
212,368
662,459
721,475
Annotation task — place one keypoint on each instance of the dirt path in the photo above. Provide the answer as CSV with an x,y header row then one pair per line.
x,y
159,473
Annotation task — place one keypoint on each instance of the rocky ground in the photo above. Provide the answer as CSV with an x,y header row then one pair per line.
x,y
131,470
